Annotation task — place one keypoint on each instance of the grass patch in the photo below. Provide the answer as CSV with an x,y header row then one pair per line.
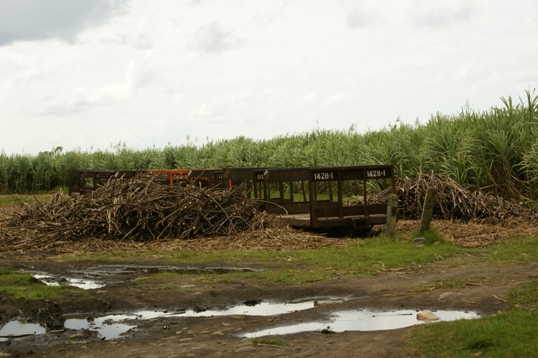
x,y
525,297
511,334
508,334
456,283
515,250
431,235
15,285
361,258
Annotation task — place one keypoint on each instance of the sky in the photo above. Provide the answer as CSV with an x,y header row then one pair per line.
x,y
91,74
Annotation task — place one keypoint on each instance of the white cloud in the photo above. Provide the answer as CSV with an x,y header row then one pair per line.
x,y
31,20
83,97
311,96
360,16
441,13
414,13
204,111
340,99
213,38
163,70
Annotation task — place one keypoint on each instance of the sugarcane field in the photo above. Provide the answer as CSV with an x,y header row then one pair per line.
x,y
414,241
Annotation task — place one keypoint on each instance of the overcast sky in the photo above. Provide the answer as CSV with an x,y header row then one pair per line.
x,y
88,74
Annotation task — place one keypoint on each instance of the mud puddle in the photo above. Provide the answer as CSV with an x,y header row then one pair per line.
x,y
362,320
100,276
19,329
54,280
112,270
113,326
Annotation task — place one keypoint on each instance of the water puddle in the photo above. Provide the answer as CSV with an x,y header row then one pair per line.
x,y
113,326
19,329
52,280
97,277
112,270
361,320
264,308
107,327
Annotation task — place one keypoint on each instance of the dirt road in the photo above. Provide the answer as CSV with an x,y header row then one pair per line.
x,y
223,336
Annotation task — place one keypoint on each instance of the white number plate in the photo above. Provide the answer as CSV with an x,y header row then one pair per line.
x,y
376,173
324,175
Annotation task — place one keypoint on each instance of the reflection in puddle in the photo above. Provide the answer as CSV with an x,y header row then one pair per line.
x,y
85,284
112,270
18,328
112,326
260,309
361,320
107,327
94,277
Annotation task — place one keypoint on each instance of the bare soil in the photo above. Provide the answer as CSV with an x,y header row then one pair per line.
x,y
220,336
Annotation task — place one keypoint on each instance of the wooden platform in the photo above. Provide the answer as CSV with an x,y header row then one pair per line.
x,y
357,222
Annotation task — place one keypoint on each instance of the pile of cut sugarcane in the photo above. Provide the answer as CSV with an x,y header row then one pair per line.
x,y
452,201
142,209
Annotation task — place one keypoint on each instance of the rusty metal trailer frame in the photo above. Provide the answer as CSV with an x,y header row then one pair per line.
x,y
250,177
214,178
96,177
310,197
299,201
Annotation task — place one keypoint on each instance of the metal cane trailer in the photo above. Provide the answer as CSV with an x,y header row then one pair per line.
x,y
212,178
310,197
319,197
251,178
87,180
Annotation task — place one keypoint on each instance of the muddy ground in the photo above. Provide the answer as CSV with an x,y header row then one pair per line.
x,y
220,336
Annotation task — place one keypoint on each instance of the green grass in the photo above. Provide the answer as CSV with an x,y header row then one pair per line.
x,y
509,334
431,235
515,250
361,258
16,285
456,283
525,297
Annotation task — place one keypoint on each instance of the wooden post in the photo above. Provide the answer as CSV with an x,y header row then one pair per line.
x,y
392,215
427,209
